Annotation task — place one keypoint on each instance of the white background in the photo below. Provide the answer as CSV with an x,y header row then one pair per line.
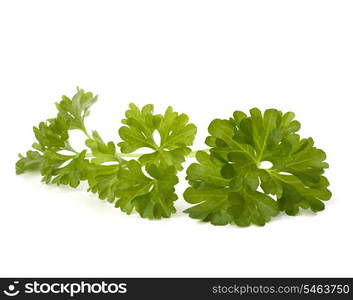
x,y
207,59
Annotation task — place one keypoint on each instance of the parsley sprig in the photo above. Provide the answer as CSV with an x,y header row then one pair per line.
x,y
145,184
228,184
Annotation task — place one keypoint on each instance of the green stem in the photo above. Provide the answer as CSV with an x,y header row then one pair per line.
x,y
129,154
84,130
137,155
193,153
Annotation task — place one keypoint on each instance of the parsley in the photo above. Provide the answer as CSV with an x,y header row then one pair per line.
x,y
175,132
146,184
228,184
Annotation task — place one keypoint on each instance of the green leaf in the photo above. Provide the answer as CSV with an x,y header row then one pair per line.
x,y
51,162
75,110
176,135
272,137
152,195
139,130
217,203
250,207
32,161
52,134
206,173
73,173
297,195
239,146
101,151
105,181
53,137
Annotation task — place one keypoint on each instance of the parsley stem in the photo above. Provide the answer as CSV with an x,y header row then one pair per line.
x,y
191,155
84,130
129,154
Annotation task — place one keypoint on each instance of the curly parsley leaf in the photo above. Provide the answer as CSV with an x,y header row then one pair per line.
x,y
53,137
32,161
151,195
52,134
239,146
218,203
73,173
75,110
105,181
102,152
176,135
